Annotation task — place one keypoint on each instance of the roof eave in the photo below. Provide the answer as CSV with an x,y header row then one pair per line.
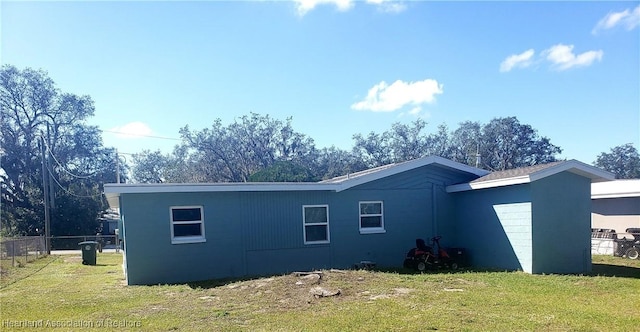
x,y
616,189
488,184
216,187
576,167
409,165
616,195
113,190
113,199
573,166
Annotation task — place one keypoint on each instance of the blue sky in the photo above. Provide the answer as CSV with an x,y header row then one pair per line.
x,y
569,69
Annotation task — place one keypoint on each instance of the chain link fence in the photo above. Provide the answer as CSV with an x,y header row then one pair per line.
x,y
71,242
19,251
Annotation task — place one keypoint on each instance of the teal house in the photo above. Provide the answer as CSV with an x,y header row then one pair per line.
x,y
535,219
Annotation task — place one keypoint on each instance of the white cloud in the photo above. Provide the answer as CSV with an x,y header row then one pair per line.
x,y
562,57
626,18
388,98
386,6
305,6
132,130
521,60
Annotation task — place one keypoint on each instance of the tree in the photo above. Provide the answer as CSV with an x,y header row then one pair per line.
x,y
406,142
401,143
232,153
332,162
505,143
439,143
259,148
283,171
373,150
36,116
465,143
623,161
150,167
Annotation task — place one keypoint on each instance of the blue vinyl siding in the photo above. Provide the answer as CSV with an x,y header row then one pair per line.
x,y
261,233
152,258
492,225
538,227
419,178
273,220
406,214
562,224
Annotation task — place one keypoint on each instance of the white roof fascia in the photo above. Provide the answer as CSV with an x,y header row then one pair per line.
x,y
616,189
488,184
576,167
213,187
113,190
573,166
406,166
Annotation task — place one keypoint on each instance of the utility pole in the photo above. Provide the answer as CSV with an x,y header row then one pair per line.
x,y
52,193
117,167
45,184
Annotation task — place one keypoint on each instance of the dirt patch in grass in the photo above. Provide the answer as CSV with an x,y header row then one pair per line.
x,y
300,292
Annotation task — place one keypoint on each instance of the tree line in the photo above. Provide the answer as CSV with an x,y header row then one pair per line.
x,y
259,148
44,137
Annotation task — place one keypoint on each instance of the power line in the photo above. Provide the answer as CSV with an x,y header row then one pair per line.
x,y
62,167
50,152
139,135
67,191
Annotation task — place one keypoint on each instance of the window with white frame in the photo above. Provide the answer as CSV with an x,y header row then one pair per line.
x,y
316,223
187,224
371,217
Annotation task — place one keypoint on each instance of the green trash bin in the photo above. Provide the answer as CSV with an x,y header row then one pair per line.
x,y
88,252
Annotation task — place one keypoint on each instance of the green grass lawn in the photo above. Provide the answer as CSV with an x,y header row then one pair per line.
x,y
58,291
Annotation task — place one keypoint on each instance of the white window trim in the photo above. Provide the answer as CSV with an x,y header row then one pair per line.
x,y
304,225
187,239
371,230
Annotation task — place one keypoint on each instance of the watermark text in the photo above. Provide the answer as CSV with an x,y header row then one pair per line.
x,y
70,323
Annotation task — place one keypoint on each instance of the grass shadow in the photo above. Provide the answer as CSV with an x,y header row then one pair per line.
x,y
408,271
609,270
598,269
215,283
